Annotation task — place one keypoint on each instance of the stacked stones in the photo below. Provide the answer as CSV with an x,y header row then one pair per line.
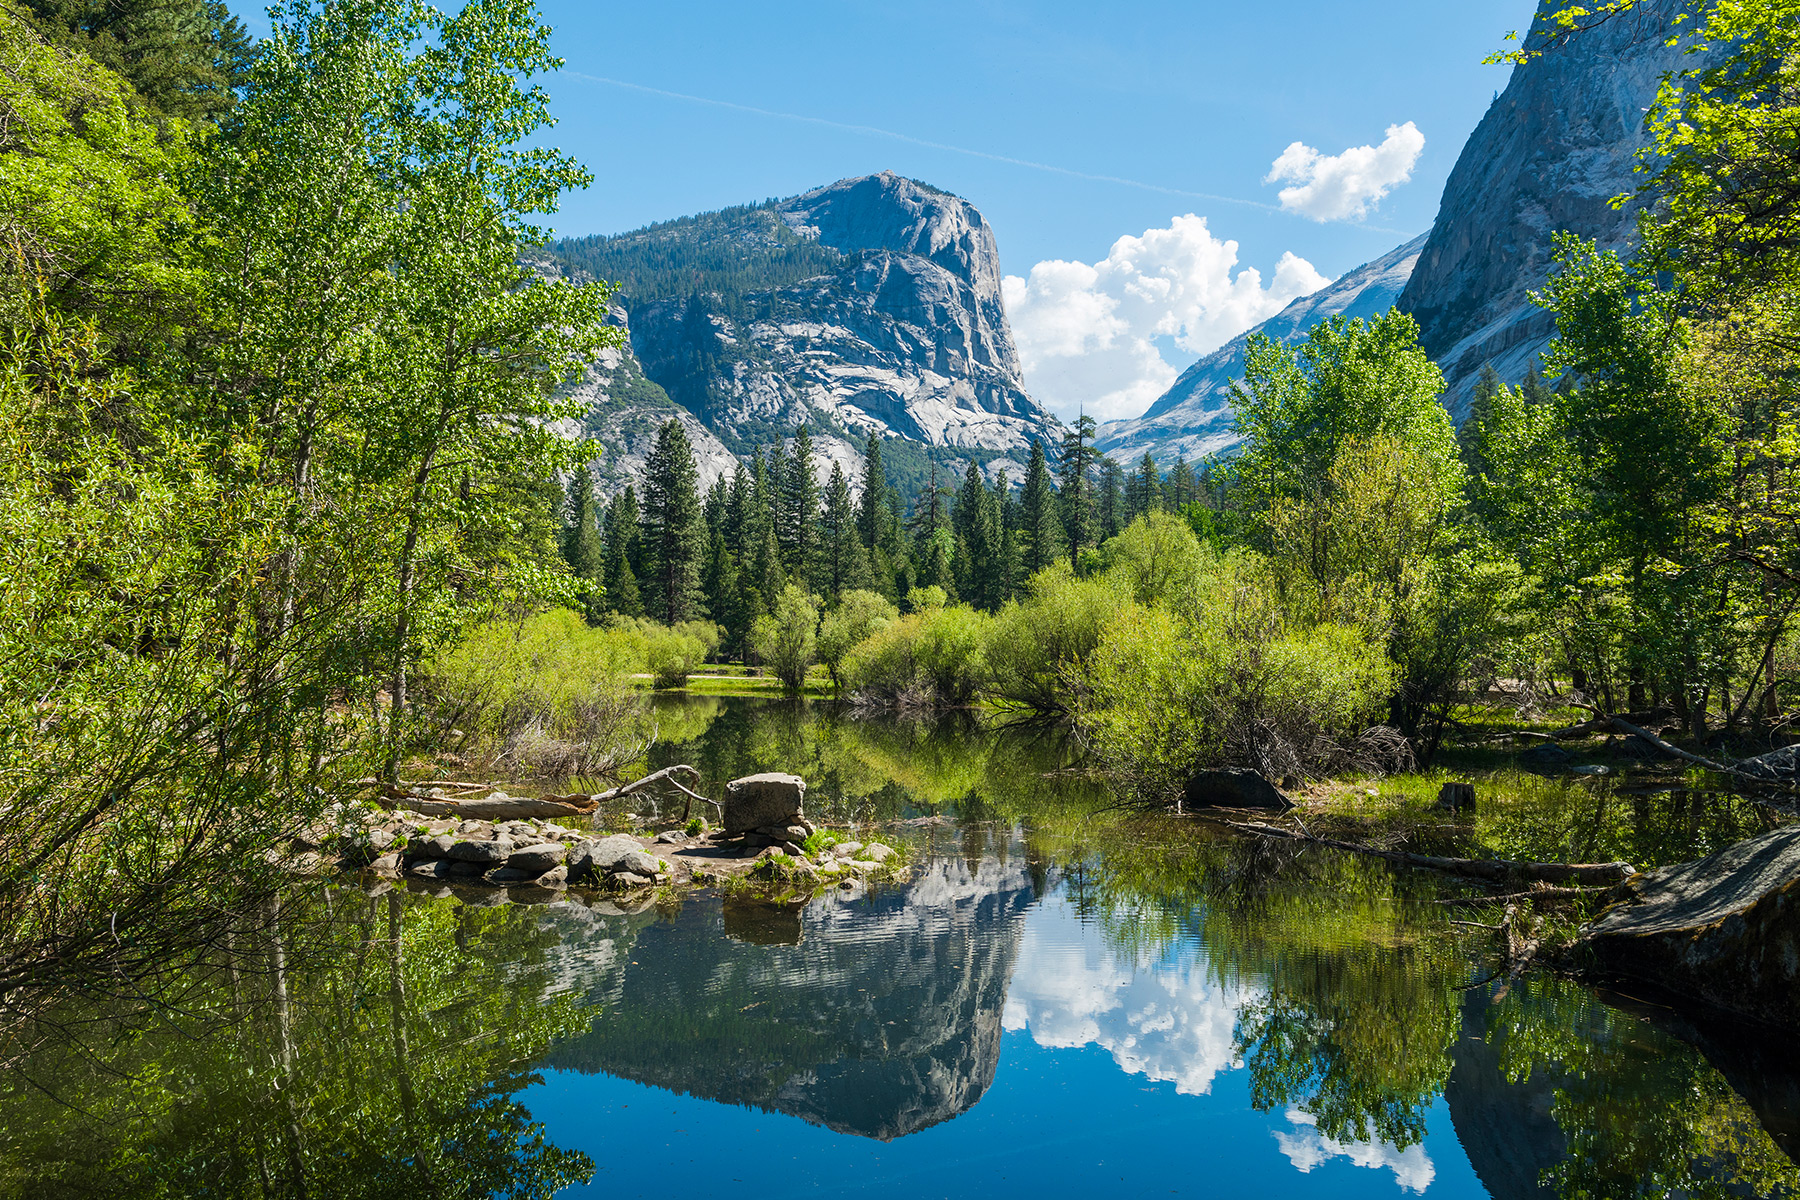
x,y
541,853
767,810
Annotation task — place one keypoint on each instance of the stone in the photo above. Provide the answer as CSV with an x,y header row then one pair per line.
x,y
608,853
797,833
387,864
846,849
489,852
637,862
535,860
462,869
759,801
435,847
792,851
1457,797
1724,929
556,877
632,879
509,874
877,852
435,868
1233,789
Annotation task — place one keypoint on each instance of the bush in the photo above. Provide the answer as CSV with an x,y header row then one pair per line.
x,y
930,659
547,694
1035,644
1157,558
672,654
1228,681
787,640
858,614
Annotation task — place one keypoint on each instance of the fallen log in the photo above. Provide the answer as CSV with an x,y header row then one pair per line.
x,y
1620,725
1492,870
501,807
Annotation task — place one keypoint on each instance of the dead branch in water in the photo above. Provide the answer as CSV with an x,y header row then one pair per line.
x,y
1493,870
503,807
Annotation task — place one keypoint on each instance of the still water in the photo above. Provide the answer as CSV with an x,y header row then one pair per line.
x,y
1059,1000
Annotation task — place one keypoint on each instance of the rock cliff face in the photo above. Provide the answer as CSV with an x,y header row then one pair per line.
x,y
1193,418
902,332
878,1017
1553,150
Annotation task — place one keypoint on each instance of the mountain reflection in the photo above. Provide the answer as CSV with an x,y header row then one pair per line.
x,y
883,1018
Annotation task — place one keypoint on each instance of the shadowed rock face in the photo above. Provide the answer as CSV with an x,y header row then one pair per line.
x,y
1507,1128
1725,929
1551,153
883,1019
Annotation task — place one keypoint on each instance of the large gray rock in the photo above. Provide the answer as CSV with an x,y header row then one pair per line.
x,y
1781,766
492,852
590,860
1553,150
535,860
1725,929
756,801
1233,789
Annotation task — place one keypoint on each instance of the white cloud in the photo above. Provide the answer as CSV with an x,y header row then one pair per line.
x,y
1343,187
1087,334
1307,1148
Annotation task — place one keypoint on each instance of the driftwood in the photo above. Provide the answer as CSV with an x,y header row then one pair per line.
x,y
1620,725
1492,870
501,807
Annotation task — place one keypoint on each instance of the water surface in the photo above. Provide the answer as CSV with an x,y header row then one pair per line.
x,y
1055,1002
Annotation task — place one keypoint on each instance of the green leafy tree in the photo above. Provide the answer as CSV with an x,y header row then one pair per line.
x,y
787,639
858,616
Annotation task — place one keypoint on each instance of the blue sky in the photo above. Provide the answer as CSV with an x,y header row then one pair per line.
x,y
1148,111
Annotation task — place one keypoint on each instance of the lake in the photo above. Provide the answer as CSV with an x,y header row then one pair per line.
x,y
1062,998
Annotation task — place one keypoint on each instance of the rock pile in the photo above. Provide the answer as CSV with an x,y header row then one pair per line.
x,y
768,810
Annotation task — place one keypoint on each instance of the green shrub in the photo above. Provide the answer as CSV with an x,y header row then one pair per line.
x,y
930,659
787,640
672,654
546,694
857,615
1157,558
1228,681
1034,644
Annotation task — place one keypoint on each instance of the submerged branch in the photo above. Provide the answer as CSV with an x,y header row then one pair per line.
x,y
1492,870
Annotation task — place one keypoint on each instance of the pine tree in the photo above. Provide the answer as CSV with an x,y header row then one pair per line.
x,y
872,516
739,510
1181,485
725,596
1040,525
1481,408
1008,567
674,531
1077,488
1114,503
183,56
1149,488
622,555
797,515
583,545
844,562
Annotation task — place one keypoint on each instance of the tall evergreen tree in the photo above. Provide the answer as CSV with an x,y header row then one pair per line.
x,y
1040,525
183,56
583,545
1148,488
979,560
873,515
725,595
1114,504
1007,506
623,555
1077,488
843,559
797,516
1181,484
674,531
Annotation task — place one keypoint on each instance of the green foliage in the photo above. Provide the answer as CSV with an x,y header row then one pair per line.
x,y
858,615
930,658
547,695
1037,646
787,639
674,532
1229,678
181,56
1157,559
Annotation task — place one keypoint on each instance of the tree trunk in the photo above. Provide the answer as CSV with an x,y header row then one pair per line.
x,y
403,615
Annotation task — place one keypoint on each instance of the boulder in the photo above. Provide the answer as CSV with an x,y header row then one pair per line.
x,y
1546,759
1233,789
1725,929
431,868
632,879
876,852
491,853
590,860
846,849
433,847
535,860
637,862
557,877
763,801
1781,766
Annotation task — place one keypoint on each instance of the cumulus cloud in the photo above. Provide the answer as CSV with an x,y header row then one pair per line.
x,y
1088,333
1307,1148
1344,187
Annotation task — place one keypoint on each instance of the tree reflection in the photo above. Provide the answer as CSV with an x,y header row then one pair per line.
x,y
337,1046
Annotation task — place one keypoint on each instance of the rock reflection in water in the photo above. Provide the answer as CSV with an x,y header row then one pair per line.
x,y
877,1016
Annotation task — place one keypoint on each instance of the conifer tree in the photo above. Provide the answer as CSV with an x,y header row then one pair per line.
x,y
583,546
738,519
674,530
765,578
622,555
872,515
1077,488
1481,408
797,516
1006,505
725,595
844,560
1149,489
1181,485
979,560
1040,525
1114,506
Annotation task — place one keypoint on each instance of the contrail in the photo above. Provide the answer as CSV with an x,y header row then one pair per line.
x,y
872,131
